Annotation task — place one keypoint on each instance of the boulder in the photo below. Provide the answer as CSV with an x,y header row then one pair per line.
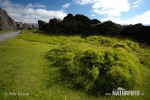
x,y
6,22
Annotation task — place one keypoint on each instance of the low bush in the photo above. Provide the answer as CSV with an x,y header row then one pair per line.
x,y
128,45
97,71
59,56
122,45
133,45
144,58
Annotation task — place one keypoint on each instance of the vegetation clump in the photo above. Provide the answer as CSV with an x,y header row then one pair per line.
x,y
97,71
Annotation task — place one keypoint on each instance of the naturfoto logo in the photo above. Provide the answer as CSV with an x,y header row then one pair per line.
x,y
123,92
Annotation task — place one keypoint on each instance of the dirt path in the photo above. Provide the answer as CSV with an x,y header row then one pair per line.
x,y
8,35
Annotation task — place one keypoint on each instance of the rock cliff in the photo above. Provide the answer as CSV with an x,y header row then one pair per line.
x,y
6,22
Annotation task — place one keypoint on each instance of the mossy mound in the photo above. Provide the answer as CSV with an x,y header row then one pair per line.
x,y
97,71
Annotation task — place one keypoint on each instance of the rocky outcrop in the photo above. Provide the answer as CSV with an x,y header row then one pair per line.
x,y
6,22
78,24
19,25
54,26
42,25
108,28
95,22
26,26
137,32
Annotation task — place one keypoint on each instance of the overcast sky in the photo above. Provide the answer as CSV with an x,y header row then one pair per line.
x,y
119,11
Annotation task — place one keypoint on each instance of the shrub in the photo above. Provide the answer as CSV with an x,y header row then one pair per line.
x,y
128,45
100,72
97,71
59,56
122,45
132,45
144,58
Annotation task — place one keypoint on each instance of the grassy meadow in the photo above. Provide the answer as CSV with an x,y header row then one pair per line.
x,y
33,67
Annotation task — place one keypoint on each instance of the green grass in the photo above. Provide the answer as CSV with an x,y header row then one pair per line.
x,y
24,68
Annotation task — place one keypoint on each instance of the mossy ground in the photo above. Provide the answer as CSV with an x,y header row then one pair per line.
x,y
24,68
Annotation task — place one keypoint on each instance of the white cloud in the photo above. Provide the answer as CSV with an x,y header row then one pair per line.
x,y
137,3
30,5
107,7
111,8
143,18
66,5
84,2
30,13
93,15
